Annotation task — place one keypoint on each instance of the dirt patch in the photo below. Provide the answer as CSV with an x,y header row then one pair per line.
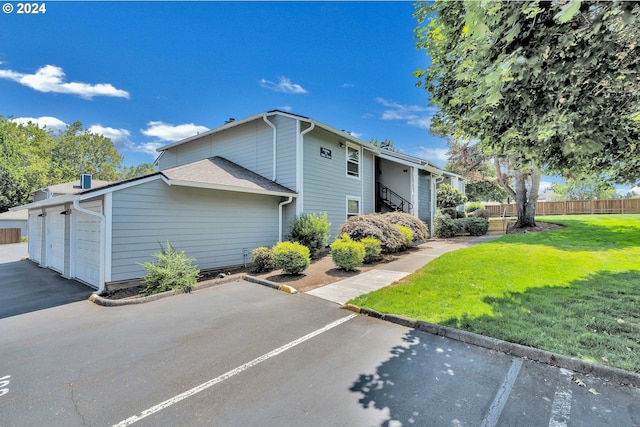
x,y
540,226
323,271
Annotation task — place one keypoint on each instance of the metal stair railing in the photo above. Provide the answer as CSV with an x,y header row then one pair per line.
x,y
393,200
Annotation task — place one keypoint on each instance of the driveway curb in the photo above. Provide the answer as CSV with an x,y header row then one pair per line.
x,y
106,302
617,375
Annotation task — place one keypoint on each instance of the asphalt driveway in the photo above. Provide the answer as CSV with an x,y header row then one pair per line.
x,y
25,287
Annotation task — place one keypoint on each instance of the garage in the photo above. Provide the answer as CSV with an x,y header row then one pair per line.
x,y
87,232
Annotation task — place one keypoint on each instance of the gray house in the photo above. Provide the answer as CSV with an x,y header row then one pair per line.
x,y
222,193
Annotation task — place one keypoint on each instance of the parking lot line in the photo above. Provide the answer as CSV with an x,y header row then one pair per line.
x,y
172,401
491,419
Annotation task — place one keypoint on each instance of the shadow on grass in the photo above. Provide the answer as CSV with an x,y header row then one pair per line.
x,y
595,319
579,235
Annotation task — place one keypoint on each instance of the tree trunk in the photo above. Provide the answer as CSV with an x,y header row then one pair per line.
x,y
525,195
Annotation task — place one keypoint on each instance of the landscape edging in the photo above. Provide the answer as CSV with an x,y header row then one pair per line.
x,y
617,375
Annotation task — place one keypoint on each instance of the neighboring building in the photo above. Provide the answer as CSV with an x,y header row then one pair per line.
x,y
15,220
220,194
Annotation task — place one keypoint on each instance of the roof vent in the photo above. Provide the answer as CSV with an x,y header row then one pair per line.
x,y
231,119
85,181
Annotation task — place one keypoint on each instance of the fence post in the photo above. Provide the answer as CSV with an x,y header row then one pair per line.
x,y
622,205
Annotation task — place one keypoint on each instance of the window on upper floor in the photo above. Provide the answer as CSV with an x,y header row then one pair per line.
x,y
353,161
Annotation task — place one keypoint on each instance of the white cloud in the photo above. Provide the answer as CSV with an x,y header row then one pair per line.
x,y
168,132
436,155
347,85
286,108
545,186
283,85
119,137
149,147
51,123
50,78
412,115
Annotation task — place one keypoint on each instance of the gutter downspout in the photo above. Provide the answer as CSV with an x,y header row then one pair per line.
x,y
280,206
272,126
103,232
300,164
434,203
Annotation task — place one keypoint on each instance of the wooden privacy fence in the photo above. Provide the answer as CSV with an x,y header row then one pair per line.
x,y
574,207
10,235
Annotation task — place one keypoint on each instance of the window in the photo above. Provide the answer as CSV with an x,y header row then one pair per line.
x,y
353,206
353,162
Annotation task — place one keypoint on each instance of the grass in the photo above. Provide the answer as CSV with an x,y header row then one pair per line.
x,y
573,291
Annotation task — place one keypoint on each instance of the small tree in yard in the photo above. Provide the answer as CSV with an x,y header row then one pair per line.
x,y
312,231
173,270
449,197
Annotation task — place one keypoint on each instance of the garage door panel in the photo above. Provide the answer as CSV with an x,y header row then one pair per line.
x,y
35,237
87,248
55,230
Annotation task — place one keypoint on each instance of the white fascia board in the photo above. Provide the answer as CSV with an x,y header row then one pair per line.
x,y
212,131
60,200
231,188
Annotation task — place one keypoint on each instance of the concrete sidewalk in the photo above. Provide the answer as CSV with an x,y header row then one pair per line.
x,y
347,289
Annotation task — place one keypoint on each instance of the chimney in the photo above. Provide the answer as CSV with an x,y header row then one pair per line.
x,y
85,181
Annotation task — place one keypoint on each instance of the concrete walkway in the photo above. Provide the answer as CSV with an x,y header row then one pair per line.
x,y
347,289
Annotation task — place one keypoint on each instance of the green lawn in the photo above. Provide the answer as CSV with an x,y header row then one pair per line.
x,y
574,291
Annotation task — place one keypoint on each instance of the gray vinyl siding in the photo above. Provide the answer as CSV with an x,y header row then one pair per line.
x,y
286,151
326,184
212,226
250,145
424,197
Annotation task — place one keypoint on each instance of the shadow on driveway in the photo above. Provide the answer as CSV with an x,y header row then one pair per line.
x,y
25,287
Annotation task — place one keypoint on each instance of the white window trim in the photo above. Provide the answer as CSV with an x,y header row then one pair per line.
x,y
356,199
346,165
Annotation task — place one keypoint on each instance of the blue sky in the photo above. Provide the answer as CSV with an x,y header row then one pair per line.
x,y
146,74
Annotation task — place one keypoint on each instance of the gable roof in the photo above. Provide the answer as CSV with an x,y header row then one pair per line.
x,y
221,174
259,116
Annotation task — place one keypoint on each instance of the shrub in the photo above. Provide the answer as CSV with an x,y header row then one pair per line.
x,y
476,226
262,258
473,206
449,197
480,213
172,270
443,226
372,249
407,233
453,213
291,257
346,253
419,228
312,231
376,226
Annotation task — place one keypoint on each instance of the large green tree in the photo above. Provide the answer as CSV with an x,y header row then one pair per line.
x,y
77,151
551,86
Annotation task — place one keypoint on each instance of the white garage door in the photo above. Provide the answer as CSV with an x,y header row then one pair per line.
x,y
55,238
87,245
35,237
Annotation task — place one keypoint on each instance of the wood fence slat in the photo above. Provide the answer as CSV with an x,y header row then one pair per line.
x,y
10,235
574,207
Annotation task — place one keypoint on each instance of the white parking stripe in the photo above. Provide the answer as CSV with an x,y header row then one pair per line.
x,y
561,407
495,410
239,369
